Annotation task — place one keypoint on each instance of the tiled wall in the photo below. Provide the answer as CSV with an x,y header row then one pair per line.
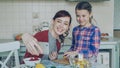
x,y
19,16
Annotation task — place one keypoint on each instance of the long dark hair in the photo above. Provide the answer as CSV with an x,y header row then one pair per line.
x,y
63,13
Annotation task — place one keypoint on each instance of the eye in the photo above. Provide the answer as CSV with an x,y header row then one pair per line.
x,y
58,21
83,15
66,23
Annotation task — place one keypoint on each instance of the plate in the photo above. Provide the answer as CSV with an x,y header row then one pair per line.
x,y
31,61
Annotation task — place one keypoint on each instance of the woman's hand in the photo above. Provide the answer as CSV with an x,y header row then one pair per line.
x,y
53,55
70,53
31,44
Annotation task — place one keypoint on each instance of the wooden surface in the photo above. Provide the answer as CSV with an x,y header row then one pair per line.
x,y
62,61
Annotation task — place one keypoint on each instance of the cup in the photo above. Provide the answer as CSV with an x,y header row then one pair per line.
x,y
72,60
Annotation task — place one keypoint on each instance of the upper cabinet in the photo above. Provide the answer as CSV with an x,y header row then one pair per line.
x,y
117,14
88,0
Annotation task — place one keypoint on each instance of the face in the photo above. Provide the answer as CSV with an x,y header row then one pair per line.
x,y
83,17
61,25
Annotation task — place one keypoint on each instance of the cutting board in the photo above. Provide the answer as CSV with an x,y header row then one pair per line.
x,y
62,61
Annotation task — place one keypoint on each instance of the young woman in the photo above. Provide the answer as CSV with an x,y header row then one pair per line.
x,y
85,36
54,36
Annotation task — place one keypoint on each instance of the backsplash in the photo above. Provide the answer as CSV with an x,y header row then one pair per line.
x,y
20,16
40,27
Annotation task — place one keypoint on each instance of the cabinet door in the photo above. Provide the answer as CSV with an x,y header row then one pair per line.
x,y
104,58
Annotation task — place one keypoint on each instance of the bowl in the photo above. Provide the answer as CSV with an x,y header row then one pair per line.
x,y
31,61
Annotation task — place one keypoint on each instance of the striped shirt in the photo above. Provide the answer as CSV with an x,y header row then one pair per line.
x,y
86,40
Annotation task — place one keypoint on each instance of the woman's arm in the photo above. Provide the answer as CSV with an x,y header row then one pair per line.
x,y
31,44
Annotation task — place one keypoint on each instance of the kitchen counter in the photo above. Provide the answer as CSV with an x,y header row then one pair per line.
x,y
110,40
68,41
6,40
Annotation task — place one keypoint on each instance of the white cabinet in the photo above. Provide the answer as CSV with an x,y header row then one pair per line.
x,y
104,58
113,49
108,53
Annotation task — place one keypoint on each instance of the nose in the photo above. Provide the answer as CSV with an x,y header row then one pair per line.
x,y
62,24
80,18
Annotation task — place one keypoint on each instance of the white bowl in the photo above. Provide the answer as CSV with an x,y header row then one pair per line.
x,y
31,62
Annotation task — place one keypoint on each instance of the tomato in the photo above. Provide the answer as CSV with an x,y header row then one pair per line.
x,y
34,58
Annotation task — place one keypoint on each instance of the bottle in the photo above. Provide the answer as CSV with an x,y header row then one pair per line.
x,y
80,61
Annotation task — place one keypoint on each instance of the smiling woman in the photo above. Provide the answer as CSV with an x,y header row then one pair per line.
x,y
54,36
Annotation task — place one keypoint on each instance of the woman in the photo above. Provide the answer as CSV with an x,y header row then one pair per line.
x,y
85,36
60,27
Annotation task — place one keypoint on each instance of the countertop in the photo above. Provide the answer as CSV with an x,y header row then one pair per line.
x,y
110,40
68,41
6,40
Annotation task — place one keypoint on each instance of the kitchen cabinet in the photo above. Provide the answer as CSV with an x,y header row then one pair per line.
x,y
86,0
116,14
108,50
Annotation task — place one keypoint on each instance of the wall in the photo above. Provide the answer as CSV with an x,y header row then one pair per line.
x,y
117,15
19,16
